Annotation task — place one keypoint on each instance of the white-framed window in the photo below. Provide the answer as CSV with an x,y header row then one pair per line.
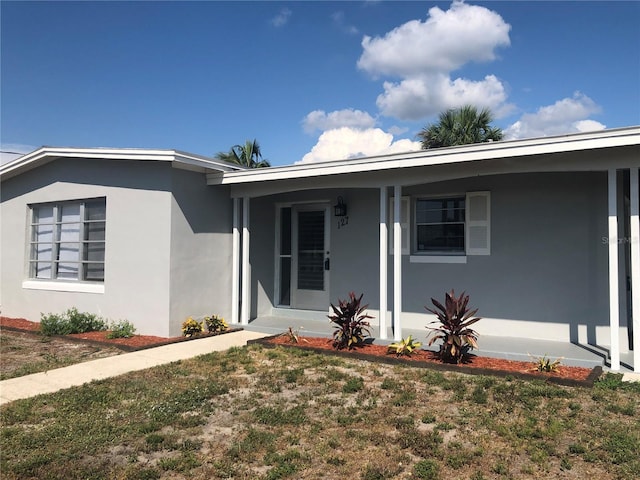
x,y
67,240
440,225
444,228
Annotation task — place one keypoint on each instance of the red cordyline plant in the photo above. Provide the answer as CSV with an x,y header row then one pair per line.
x,y
454,318
350,322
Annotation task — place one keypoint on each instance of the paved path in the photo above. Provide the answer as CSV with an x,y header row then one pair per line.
x,y
78,374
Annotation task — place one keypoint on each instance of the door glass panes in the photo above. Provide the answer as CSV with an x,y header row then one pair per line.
x,y
285,256
285,231
311,250
285,280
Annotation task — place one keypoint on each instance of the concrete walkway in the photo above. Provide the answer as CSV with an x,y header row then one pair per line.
x,y
48,382
78,374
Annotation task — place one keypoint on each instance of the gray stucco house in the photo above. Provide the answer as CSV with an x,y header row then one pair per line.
x,y
542,233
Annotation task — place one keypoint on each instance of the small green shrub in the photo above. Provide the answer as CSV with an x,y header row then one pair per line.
x,y
350,322
454,319
191,327
121,329
71,321
404,347
53,324
215,324
82,322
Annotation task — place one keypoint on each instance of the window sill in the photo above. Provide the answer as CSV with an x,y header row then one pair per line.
x,y
438,259
58,286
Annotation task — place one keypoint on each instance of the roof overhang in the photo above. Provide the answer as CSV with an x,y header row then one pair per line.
x,y
176,158
484,152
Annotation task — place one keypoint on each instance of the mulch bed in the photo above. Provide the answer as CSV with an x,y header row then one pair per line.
x,y
476,365
131,344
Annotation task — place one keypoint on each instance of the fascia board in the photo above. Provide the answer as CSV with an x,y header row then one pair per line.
x,y
46,154
205,162
452,155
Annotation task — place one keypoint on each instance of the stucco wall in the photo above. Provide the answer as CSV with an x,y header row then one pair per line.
x,y
546,277
200,249
138,209
547,274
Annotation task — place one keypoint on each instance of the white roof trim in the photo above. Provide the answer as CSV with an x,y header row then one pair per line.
x,y
466,153
46,154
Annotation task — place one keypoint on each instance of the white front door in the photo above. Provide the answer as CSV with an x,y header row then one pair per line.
x,y
310,262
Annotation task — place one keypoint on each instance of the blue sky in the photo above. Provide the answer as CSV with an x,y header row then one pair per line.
x,y
311,81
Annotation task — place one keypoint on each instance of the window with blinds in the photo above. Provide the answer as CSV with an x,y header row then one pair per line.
x,y
68,240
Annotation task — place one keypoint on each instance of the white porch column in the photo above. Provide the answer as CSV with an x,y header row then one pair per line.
x,y
383,262
246,290
614,305
235,267
635,266
397,262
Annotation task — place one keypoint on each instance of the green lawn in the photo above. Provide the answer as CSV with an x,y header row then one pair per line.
x,y
284,413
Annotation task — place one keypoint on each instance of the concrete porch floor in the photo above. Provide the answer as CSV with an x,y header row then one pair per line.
x,y
512,348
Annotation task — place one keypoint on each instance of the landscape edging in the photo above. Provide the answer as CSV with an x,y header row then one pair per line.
x,y
596,372
120,346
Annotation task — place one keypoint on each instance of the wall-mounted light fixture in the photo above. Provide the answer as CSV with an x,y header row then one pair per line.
x,y
340,209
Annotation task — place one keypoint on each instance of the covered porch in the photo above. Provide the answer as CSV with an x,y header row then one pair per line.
x,y
550,250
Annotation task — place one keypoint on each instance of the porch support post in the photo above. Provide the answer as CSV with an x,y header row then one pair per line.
x,y
397,263
635,265
383,262
235,267
614,299
246,293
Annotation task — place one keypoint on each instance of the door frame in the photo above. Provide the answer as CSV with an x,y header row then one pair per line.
x,y
294,292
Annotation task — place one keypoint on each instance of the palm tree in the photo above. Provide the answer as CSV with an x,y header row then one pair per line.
x,y
247,155
460,127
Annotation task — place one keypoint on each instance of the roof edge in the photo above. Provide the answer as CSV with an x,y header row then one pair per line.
x,y
438,156
181,159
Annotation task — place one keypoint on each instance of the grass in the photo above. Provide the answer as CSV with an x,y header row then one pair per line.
x,y
253,413
41,353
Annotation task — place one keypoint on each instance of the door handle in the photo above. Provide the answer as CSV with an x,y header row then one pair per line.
x,y
326,264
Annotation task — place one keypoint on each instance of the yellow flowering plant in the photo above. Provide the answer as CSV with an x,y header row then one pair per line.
x,y
192,327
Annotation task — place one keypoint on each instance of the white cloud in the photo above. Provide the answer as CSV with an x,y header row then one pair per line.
x,y
569,115
423,96
442,43
340,22
11,151
348,117
281,18
424,53
345,143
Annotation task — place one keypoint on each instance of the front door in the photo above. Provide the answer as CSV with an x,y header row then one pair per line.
x,y
310,262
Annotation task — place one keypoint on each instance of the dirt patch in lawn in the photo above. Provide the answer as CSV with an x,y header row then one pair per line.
x,y
23,353
24,350
564,375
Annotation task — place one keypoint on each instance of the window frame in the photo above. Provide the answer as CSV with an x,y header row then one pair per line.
x,y
80,244
477,219
415,224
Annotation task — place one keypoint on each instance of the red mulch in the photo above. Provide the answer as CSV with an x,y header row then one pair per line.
x,y
136,342
473,362
477,363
